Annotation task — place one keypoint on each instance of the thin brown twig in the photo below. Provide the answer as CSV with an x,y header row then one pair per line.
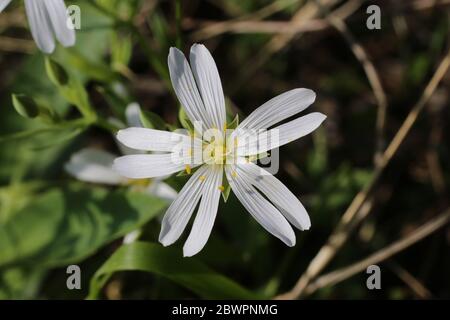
x,y
428,4
246,21
252,24
346,225
416,286
15,19
381,255
16,45
306,13
144,12
435,140
374,80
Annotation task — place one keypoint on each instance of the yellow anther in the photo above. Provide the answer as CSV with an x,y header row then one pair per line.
x,y
234,174
140,182
235,142
189,152
225,127
202,178
221,188
188,169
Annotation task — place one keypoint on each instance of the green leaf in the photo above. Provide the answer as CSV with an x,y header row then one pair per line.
x,y
66,225
159,27
318,159
95,70
20,283
70,88
152,121
115,99
168,262
62,137
121,50
56,72
53,132
25,106
184,120
76,94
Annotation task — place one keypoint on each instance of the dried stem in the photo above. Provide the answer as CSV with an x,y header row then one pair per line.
x,y
412,282
16,45
253,23
372,76
381,255
347,222
305,14
217,28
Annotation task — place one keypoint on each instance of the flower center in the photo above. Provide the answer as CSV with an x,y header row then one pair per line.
x,y
217,149
215,152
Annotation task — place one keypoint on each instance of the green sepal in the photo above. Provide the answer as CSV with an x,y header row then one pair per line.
x,y
184,120
25,106
227,188
234,124
56,73
28,108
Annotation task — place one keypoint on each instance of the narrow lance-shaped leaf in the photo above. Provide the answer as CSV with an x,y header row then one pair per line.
x,y
167,262
67,225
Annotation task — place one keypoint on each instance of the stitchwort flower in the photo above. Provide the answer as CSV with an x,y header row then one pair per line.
x,y
48,19
217,156
96,166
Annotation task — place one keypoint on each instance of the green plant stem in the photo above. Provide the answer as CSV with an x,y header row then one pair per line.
x,y
178,17
154,61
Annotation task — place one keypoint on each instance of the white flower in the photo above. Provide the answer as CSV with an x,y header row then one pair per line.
x,y
48,19
199,90
96,166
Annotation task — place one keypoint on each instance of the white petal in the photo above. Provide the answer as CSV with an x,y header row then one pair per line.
x,y
278,109
95,166
208,82
4,4
133,115
162,190
261,209
185,87
141,166
264,141
60,22
40,25
207,211
131,237
155,140
278,194
181,209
